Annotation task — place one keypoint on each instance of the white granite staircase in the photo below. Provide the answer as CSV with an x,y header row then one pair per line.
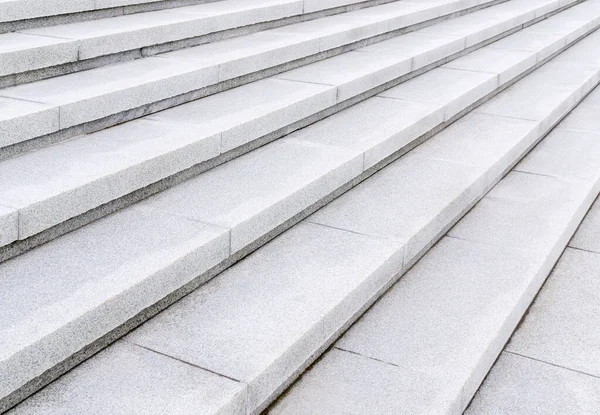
x,y
113,205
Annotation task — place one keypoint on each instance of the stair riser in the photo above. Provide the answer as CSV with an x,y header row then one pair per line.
x,y
465,206
24,245
488,359
177,294
18,77
77,127
85,15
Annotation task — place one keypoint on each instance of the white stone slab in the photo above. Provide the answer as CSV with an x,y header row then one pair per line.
x,y
546,95
561,327
423,48
506,63
565,153
347,383
570,29
361,72
243,194
533,39
261,320
71,291
400,14
127,379
117,34
377,127
593,99
478,26
81,174
39,118
482,140
9,225
583,118
454,89
29,9
586,51
333,31
412,200
251,111
105,4
517,385
587,234
246,54
97,93
316,5
23,52
447,319
527,211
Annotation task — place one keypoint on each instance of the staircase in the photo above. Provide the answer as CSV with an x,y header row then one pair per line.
x,y
197,199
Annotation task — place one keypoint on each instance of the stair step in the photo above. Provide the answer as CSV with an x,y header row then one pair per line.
x,y
255,325
62,187
137,35
69,48
26,14
427,345
553,356
94,99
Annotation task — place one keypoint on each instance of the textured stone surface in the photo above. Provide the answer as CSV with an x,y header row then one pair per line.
x,y
347,383
583,118
316,5
82,174
127,379
97,93
439,326
565,153
476,27
535,39
250,111
424,48
21,52
547,94
518,385
507,64
243,195
561,327
482,140
54,302
122,33
361,73
587,234
28,9
261,320
337,30
526,211
411,200
39,118
454,89
377,127
9,225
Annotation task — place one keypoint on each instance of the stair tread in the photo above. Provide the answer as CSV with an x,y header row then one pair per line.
x,y
548,388
433,337
86,96
48,186
317,306
85,40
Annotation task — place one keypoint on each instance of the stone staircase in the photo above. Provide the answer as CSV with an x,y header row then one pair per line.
x,y
151,151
